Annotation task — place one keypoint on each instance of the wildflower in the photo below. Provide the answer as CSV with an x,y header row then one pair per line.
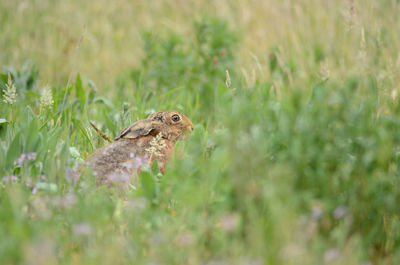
x,y
156,146
82,229
10,94
229,222
46,97
20,160
127,165
24,157
136,161
31,156
9,178
139,162
119,178
30,183
340,212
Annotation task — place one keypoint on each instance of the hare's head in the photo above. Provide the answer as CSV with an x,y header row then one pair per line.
x,y
171,124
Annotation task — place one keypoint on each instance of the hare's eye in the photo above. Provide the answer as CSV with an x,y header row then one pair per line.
x,y
175,118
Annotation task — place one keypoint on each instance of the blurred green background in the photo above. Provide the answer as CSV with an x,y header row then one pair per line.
x,y
295,155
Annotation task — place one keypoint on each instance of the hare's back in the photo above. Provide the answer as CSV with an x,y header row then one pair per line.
x,y
109,158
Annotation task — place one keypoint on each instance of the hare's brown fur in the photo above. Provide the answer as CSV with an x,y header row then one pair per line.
x,y
129,151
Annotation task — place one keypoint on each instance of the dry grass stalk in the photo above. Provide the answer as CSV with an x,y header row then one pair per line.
x,y
105,137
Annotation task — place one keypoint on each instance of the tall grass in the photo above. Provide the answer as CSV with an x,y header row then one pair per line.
x,y
294,160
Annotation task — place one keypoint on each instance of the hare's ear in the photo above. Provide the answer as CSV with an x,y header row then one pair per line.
x,y
140,128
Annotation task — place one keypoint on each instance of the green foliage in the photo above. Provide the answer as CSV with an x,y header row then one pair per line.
x,y
25,79
195,64
267,176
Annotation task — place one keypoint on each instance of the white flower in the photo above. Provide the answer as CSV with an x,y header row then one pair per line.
x,y
46,97
10,94
156,146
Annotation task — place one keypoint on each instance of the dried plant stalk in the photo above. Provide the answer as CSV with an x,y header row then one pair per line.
x,y
105,137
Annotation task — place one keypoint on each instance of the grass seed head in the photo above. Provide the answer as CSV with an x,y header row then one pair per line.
x,y
10,93
46,97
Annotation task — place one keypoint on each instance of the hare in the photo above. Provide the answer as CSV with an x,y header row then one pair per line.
x,y
140,144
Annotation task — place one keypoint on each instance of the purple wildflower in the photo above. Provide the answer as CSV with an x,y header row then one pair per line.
x,y
31,156
34,190
20,160
137,161
340,212
128,165
118,178
24,157
10,178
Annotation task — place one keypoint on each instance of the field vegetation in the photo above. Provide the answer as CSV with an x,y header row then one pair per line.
x,y
295,153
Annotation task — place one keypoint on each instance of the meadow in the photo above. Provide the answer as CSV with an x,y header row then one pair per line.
x,y
295,153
